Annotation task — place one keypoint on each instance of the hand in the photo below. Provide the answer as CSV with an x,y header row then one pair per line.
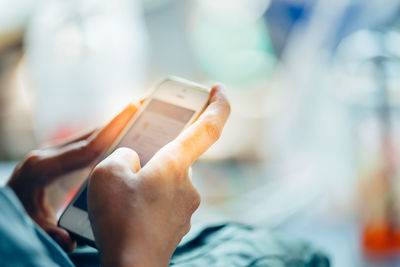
x,y
139,215
43,169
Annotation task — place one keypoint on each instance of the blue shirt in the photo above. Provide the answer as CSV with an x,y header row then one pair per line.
x,y
22,241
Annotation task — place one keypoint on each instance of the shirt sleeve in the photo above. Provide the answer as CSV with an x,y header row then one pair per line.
x,y
22,242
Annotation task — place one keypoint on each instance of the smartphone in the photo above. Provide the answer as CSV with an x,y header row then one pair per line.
x,y
173,105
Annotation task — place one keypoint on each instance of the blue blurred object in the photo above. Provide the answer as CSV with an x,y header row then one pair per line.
x,y
282,16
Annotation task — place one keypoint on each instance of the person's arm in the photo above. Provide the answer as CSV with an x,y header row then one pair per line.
x,y
139,215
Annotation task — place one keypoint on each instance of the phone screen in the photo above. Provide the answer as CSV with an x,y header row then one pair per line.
x,y
157,125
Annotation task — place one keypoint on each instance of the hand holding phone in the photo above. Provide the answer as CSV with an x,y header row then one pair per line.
x,y
173,105
40,180
139,215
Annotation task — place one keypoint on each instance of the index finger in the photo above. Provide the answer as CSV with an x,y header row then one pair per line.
x,y
55,162
198,137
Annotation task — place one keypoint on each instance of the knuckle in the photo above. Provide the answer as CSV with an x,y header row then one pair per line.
x,y
117,169
33,157
99,171
212,128
104,168
101,174
110,174
127,152
195,201
113,167
110,169
135,155
31,160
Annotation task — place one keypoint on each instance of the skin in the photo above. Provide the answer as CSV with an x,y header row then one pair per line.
x,y
138,215
45,168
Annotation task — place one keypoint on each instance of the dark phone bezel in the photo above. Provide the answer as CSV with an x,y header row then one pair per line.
x,y
79,238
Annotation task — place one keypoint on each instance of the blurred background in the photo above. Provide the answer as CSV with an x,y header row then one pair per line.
x,y
313,142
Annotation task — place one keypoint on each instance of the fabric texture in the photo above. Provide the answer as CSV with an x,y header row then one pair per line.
x,y
231,244
22,242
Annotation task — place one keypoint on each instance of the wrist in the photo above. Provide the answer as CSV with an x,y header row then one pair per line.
x,y
122,260
131,257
